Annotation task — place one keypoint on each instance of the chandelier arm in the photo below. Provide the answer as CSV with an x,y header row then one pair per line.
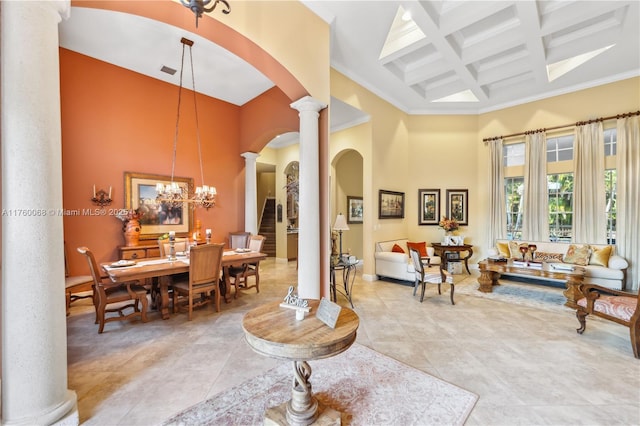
x,y
212,8
195,106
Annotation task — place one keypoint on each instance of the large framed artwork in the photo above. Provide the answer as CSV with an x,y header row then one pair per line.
x,y
159,217
458,205
390,204
355,209
429,205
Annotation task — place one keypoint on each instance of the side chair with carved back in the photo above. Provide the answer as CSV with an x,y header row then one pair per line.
x,y
109,293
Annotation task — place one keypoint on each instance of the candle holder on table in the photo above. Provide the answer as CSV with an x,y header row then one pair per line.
x,y
172,247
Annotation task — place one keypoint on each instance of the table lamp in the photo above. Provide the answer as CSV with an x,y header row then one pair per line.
x,y
340,225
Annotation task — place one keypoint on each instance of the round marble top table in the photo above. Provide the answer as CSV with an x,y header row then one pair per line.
x,y
273,331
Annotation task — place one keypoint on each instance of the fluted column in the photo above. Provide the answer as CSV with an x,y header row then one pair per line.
x,y
34,338
309,199
250,193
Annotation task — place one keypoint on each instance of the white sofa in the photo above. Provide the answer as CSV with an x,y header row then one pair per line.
x,y
398,265
611,276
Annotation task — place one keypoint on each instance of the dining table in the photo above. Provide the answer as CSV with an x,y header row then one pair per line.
x,y
163,268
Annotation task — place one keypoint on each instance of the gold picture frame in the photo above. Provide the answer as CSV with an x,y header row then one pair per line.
x,y
159,218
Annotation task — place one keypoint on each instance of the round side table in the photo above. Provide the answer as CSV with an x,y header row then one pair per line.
x,y
273,331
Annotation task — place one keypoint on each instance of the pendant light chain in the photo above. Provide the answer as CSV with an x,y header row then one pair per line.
x,y
174,194
175,138
195,105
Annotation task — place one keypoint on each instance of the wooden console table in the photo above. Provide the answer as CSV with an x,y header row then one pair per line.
x,y
274,331
442,250
490,272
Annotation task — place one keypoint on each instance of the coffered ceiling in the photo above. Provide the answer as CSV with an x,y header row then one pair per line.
x,y
453,56
424,57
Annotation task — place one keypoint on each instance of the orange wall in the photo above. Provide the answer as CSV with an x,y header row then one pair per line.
x,y
265,117
114,120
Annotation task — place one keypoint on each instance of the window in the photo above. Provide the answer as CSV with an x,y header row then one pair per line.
x,y
513,154
610,193
514,187
559,186
610,141
560,189
560,149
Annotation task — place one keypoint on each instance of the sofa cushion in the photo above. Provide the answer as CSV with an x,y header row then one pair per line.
x,y
543,256
600,256
597,271
503,249
397,249
420,247
577,255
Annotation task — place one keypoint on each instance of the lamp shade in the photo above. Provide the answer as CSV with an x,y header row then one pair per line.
x,y
341,223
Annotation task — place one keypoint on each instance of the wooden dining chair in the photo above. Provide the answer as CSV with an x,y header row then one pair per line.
x,y
238,274
239,239
76,286
203,280
180,245
109,293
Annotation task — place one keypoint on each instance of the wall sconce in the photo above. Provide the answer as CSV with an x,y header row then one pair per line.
x,y
101,198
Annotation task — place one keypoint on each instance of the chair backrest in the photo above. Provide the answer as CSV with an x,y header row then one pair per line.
x,y
417,263
256,242
180,244
205,263
239,239
93,265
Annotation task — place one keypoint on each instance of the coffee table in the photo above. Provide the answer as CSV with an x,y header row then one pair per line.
x,y
490,272
274,331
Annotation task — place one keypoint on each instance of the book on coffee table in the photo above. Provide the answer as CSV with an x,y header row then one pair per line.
x,y
527,264
562,266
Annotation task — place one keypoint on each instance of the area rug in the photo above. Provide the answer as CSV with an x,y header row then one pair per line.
x,y
527,294
367,387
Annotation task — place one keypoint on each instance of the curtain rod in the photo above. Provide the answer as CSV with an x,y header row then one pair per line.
x,y
579,123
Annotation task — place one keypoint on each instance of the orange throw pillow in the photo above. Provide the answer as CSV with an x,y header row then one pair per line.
x,y
420,247
397,249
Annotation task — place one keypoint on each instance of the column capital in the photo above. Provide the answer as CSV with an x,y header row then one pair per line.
x,y
250,155
308,104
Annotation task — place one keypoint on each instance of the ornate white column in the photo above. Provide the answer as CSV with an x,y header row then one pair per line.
x,y
309,199
250,193
34,337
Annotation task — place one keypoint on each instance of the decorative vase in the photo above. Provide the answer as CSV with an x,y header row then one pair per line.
x,y
132,233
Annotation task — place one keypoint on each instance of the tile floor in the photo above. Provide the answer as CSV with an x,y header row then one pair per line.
x,y
528,365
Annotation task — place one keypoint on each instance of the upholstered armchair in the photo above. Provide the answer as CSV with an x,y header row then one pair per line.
x,y
613,305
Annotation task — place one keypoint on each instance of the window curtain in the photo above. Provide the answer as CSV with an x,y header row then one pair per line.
x,y
497,203
628,200
589,199
535,223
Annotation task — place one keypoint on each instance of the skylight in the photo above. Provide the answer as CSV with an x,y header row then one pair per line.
x,y
560,68
403,32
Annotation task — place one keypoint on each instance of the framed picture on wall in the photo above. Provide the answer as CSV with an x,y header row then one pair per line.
x,y
458,205
429,206
159,217
355,208
390,204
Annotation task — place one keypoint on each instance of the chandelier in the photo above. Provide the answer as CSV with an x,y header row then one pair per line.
x,y
200,6
172,193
